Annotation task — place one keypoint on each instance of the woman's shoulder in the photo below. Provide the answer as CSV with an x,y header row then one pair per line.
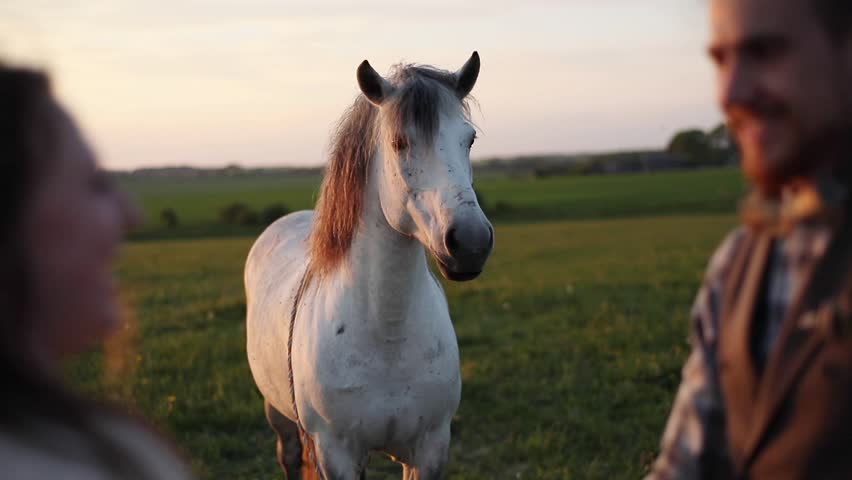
x,y
41,450
153,452
46,449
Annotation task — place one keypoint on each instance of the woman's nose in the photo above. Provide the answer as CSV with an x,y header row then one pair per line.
x,y
131,211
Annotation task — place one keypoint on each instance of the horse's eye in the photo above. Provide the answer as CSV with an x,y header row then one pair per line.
x,y
400,143
472,139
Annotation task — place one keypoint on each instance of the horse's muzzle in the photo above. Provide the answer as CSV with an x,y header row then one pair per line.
x,y
468,246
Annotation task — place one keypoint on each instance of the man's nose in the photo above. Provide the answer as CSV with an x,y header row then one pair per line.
x,y
737,85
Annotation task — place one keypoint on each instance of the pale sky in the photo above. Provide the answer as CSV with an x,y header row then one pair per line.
x,y
262,82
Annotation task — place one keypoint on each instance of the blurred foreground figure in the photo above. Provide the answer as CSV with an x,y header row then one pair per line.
x,y
767,390
61,221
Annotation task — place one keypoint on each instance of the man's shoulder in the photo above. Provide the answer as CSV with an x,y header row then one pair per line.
x,y
707,306
723,258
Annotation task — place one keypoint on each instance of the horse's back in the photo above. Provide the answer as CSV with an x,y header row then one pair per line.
x,y
274,268
283,245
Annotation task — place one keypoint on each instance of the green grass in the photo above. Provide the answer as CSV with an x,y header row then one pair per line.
x,y
197,201
615,196
571,341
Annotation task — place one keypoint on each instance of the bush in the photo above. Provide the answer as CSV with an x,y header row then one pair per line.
x,y
238,214
502,208
249,218
169,218
273,212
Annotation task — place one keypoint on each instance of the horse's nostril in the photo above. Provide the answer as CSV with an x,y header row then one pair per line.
x,y
451,242
490,237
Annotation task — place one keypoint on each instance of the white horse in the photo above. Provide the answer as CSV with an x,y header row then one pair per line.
x,y
349,334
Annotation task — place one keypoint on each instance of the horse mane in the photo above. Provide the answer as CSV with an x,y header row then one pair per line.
x,y
421,94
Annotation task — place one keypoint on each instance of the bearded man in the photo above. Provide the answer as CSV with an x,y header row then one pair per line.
x,y
767,390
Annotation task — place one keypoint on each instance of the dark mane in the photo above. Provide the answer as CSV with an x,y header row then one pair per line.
x,y
421,94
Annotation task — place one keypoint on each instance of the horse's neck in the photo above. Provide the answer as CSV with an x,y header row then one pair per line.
x,y
389,270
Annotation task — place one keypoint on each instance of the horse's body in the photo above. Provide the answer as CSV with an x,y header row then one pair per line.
x,y
377,366
375,362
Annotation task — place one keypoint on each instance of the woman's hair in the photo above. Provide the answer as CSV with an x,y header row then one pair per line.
x,y
28,142
25,133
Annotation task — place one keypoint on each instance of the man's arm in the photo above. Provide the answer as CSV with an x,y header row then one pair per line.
x,y
693,442
694,445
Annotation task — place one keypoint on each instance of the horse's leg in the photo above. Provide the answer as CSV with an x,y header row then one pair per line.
x,y
292,457
408,473
431,458
337,460
310,470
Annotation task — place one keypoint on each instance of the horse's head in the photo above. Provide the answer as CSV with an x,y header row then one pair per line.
x,y
424,176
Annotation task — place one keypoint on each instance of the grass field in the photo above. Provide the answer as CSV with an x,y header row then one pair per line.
x,y
571,341
197,201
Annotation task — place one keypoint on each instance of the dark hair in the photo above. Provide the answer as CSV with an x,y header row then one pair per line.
x,y
836,16
24,95
28,137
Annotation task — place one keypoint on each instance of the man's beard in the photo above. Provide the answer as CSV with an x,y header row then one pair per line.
x,y
807,154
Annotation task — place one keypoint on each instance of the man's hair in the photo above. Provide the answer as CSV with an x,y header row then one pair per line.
x,y
836,15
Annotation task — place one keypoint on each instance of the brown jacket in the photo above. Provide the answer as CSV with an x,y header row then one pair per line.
x,y
793,419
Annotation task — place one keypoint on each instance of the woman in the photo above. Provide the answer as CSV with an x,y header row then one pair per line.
x,y
61,221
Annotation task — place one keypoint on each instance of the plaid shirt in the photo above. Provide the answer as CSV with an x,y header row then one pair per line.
x,y
694,441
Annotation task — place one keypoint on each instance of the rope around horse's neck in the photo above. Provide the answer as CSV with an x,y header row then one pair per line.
x,y
306,442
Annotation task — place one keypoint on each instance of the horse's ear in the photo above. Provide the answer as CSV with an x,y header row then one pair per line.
x,y
467,75
373,85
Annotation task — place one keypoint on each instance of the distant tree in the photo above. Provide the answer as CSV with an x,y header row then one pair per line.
x,y
693,145
273,212
238,214
249,218
169,218
720,138
723,144
502,208
232,169
714,147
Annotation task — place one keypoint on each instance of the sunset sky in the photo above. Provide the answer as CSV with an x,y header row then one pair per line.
x,y
262,82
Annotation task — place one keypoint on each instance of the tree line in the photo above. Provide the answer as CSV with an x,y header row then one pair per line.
x,y
710,148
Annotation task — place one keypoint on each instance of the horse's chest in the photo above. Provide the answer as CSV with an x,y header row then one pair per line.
x,y
388,390
395,369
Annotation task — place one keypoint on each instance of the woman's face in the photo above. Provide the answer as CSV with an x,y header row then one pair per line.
x,y
72,227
